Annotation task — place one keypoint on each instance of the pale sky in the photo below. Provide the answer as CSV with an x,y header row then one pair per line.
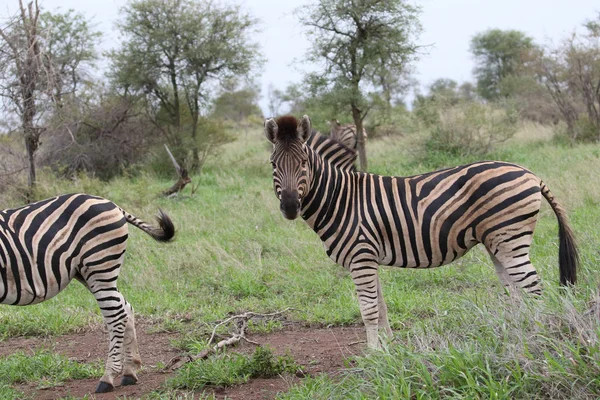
x,y
448,25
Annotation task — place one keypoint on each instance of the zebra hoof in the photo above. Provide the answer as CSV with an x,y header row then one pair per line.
x,y
128,380
104,387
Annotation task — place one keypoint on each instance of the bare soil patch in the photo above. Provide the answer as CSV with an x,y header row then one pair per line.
x,y
321,350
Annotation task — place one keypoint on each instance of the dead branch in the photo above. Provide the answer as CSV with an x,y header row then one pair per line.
x,y
242,321
183,180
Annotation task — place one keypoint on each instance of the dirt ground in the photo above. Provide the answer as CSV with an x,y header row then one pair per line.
x,y
317,351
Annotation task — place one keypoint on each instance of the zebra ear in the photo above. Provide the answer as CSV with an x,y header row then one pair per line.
x,y
271,129
304,128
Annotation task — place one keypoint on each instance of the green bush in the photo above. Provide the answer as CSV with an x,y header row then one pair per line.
x,y
191,153
466,128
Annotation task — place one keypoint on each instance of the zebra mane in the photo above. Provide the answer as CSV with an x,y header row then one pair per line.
x,y
287,128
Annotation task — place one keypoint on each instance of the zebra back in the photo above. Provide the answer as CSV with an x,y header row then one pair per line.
x,y
333,151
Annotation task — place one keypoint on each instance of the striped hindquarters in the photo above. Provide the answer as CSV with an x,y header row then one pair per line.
x,y
432,219
44,244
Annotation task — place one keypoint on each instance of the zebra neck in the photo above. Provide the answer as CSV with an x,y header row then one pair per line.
x,y
330,195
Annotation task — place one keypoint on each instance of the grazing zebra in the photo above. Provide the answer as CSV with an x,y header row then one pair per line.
x,y
423,221
345,134
44,245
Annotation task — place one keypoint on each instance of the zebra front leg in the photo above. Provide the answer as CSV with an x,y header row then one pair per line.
x,y
364,275
132,360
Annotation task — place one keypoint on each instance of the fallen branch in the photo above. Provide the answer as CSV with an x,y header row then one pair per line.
x,y
242,322
183,180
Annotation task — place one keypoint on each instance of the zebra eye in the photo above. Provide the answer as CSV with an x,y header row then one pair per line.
x,y
303,164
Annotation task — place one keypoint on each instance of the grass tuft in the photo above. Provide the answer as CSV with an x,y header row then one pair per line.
x,y
231,369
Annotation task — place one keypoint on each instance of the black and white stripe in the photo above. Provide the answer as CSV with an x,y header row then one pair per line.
x,y
345,134
367,220
44,245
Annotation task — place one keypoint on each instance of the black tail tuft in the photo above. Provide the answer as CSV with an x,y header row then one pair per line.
x,y
568,257
167,229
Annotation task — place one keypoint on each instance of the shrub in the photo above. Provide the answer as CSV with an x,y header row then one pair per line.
x,y
192,153
98,139
467,128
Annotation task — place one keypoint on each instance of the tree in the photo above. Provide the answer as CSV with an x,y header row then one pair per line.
x,y
354,42
42,56
173,51
237,104
70,49
274,100
498,54
570,72
23,77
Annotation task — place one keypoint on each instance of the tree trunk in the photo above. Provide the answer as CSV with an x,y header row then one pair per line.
x,y
31,146
360,138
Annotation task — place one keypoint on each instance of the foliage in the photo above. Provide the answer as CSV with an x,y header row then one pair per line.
x,y
570,73
101,137
40,56
446,90
466,128
211,135
174,51
236,104
231,369
70,50
357,44
498,54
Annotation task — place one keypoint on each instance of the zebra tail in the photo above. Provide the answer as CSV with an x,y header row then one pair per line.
x,y
165,230
568,256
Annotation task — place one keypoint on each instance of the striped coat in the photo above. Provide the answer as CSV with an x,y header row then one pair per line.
x,y
366,220
45,245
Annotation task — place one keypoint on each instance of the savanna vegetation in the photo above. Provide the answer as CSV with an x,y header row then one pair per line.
x,y
457,333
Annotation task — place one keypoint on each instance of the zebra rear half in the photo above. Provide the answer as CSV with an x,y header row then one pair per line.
x,y
366,220
44,245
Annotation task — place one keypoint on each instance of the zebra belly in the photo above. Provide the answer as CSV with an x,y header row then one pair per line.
x,y
33,284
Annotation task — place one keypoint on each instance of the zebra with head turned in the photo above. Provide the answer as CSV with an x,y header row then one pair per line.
x,y
423,221
44,245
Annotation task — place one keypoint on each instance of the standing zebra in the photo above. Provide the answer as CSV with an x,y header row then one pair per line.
x,y
44,245
423,221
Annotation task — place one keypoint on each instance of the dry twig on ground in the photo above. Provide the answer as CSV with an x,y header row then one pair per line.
x,y
241,321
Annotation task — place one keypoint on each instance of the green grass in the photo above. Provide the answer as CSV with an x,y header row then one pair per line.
x,y
235,252
41,368
231,369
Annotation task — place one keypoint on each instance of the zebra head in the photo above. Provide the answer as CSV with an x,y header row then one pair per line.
x,y
290,161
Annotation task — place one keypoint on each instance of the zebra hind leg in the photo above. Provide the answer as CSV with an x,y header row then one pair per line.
x,y
132,360
513,266
364,275
101,280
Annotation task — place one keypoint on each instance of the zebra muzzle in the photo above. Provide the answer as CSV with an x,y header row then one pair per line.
x,y
290,204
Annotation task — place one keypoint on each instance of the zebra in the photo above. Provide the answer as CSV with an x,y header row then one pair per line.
x,y
344,134
44,245
334,151
423,221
